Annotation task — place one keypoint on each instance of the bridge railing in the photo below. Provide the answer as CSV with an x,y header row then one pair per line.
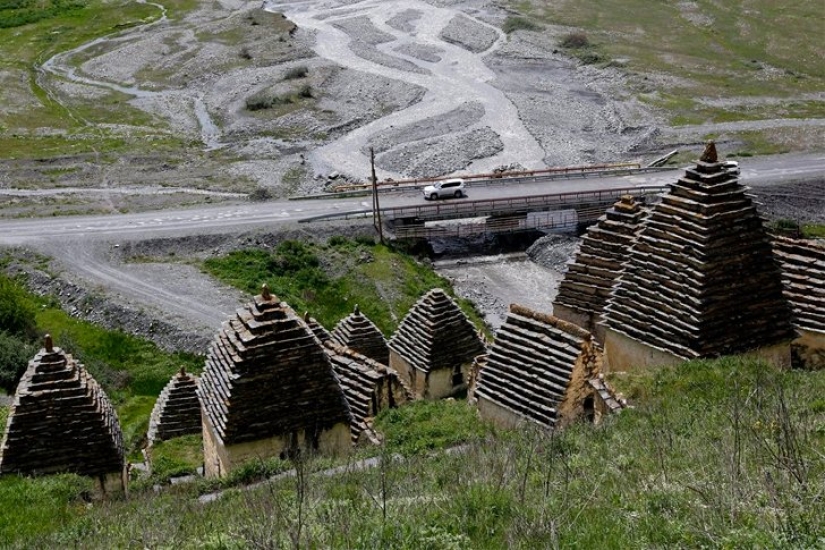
x,y
360,190
469,209
482,207
494,176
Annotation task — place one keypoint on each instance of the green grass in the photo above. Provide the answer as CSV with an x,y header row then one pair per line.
x,y
132,371
514,23
384,283
57,26
813,231
714,454
32,506
16,13
176,457
424,426
749,49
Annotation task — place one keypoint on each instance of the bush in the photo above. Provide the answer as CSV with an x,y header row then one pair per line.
x,y
296,72
575,41
259,102
16,310
305,91
14,357
589,58
512,24
260,194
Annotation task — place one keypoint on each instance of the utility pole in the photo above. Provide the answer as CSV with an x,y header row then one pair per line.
x,y
376,208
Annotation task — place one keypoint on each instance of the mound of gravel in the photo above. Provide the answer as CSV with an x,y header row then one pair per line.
x,y
441,155
424,52
553,251
404,21
363,30
469,34
450,122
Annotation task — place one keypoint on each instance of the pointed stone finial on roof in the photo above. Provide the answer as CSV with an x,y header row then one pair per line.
x,y
355,310
182,372
627,199
265,293
710,153
306,316
48,343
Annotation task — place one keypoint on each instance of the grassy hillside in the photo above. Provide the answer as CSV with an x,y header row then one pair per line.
x,y
32,32
705,61
718,454
328,280
132,371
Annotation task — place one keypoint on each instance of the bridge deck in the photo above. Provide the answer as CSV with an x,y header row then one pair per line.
x,y
463,208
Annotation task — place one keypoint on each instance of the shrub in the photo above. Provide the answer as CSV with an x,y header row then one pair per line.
x,y
575,41
512,24
296,72
305,91
16,310
14,356
258,102
589,58
261,101
260,194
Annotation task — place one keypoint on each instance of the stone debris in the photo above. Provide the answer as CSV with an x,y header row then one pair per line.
x,y
434,346
61,421
267,375
701,280
590,275
538,370
357,332
177,411
369,387
803,272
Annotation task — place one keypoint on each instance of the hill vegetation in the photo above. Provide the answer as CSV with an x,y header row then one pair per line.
x,y
707,61
722,454
328,280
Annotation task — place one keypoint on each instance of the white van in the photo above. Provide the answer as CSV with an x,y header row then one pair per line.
x,y
445,189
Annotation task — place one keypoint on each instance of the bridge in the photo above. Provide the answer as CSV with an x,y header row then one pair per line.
x,y
512,214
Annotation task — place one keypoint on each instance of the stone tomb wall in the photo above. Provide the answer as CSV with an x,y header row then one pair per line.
x,y
220,459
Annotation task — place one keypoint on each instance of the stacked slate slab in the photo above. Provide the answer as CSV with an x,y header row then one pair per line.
x,y
585,288
538,370
61,421
701,279
269,389
803,274
605,400
177,411
317,328
357,332
369,387
434,347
